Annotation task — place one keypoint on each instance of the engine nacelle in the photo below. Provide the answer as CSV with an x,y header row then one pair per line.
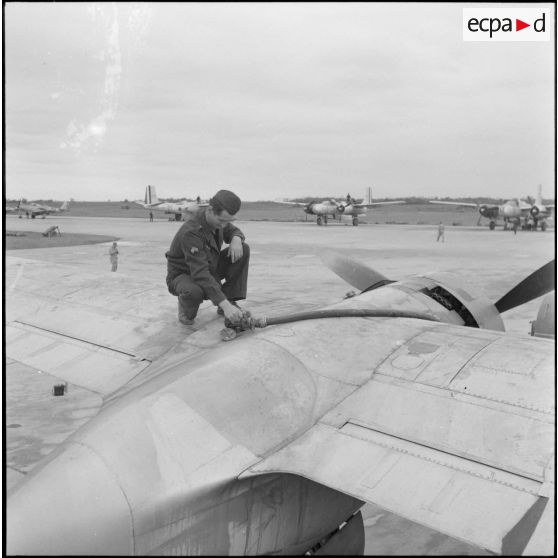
x,y
459,297
488,212
535,211
308,208
445,296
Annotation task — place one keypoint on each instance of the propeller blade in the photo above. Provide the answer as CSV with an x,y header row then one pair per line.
x,y
537,284
356,274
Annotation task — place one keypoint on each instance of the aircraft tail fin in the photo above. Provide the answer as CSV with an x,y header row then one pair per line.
x,y
150,195
539,195
64,206
367,196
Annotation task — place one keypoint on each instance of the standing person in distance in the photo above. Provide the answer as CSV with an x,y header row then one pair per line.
x,y
113,255
441,232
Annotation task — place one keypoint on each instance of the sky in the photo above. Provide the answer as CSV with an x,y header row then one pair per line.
x,y
271,100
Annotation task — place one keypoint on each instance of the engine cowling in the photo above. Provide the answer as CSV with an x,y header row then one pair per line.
x,y
488,212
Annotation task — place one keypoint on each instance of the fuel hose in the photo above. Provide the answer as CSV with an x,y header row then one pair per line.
x,y
249,322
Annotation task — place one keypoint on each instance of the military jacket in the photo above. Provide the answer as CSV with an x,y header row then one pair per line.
x,y
195,251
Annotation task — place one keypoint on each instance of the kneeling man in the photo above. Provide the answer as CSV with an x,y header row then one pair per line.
x,y
196,265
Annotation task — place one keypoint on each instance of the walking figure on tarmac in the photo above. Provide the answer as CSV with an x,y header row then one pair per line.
x,y
113,254
441,231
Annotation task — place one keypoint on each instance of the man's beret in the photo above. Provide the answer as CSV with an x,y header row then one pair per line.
x,y
228,200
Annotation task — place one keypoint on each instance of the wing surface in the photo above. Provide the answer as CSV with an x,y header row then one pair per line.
x,y
97,332
289,202
93,330
442,439
456,203
372,204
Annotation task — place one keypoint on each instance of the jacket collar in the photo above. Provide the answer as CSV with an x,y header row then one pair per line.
x,y
209,232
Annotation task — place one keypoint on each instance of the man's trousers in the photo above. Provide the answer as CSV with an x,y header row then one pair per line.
x,y
235,276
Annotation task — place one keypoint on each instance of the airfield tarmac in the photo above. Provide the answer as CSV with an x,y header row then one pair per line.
x,y
286,275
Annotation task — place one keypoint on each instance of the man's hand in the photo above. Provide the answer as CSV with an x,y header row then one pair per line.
x,y
235,249
232,312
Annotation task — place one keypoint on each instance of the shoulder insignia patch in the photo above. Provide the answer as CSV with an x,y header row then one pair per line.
x,y
194,250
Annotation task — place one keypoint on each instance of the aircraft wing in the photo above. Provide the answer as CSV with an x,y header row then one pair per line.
x,y
96,332
428,446
451,427
288,202
99,345
372,204
140,202
454,203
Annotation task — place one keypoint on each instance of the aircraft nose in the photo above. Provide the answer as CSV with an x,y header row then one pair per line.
x,y
72,505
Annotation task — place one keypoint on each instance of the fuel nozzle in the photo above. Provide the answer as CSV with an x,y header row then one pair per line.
x,y
247,322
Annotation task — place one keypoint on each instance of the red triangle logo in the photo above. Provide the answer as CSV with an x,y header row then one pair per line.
x,y
519,25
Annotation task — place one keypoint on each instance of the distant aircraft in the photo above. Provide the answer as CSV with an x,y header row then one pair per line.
x,y
511,212
151,201
353,208
539,211
270,443
334,208
34,209
64,207
322,210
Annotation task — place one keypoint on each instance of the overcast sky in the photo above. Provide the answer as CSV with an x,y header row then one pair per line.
x,y
271,101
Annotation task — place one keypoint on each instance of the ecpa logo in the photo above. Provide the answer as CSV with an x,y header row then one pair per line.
x,y
506,24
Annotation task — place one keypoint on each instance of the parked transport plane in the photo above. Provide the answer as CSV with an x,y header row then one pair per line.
x,y
177,209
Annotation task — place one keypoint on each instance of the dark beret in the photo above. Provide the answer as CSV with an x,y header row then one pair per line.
x,y
229,200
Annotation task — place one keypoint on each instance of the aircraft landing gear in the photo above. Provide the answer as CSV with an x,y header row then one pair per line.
x,y
492,225
319,221
355,221
543,226
325,219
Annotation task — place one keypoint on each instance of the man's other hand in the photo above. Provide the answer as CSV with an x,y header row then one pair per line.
x,y
235,249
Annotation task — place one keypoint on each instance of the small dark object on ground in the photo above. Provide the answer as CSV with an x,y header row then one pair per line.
x,y
59,389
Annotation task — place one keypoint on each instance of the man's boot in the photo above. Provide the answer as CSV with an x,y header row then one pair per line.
x,y
186,313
